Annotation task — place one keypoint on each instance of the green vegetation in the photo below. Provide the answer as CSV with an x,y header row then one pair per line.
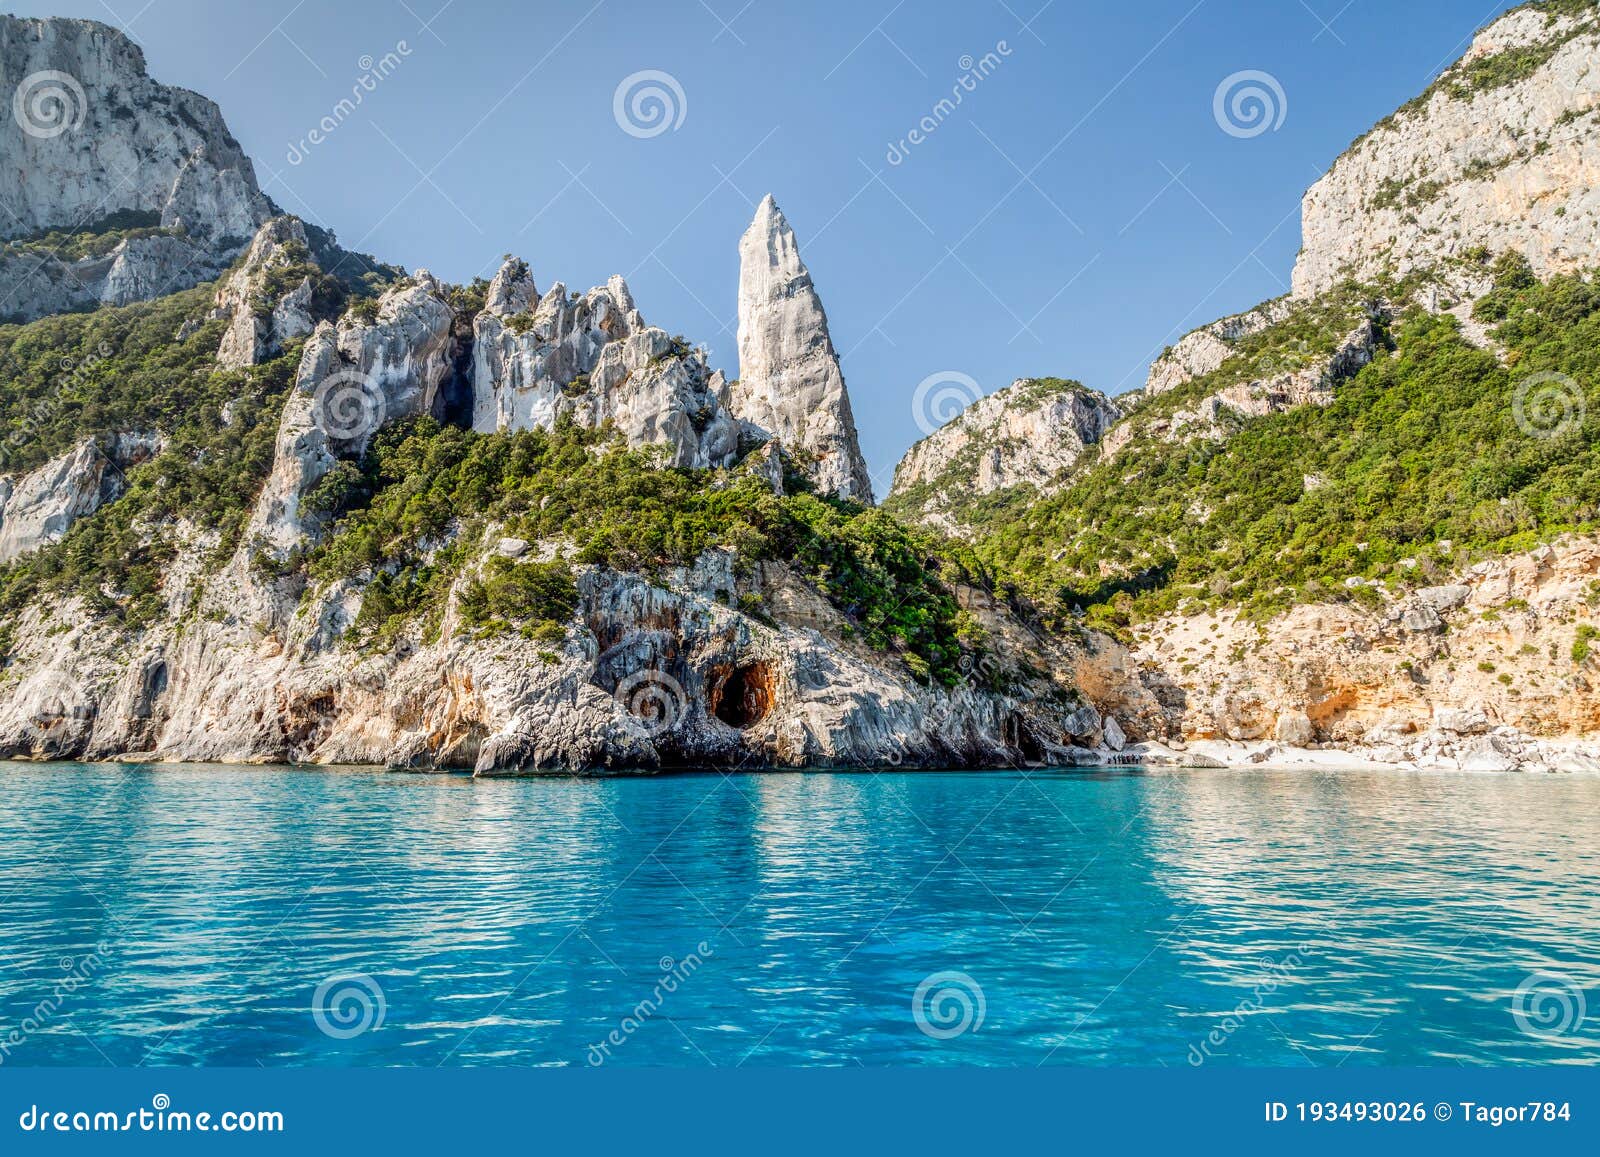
x,y
76,375
1428,444
114,371
77,243
1407,194
415,511
539,596
328,294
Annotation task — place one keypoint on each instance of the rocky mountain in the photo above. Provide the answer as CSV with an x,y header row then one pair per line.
x,y
1272,523
1030,434
1500,153
591,359
790,384
116,188
312,513
38,508
321,510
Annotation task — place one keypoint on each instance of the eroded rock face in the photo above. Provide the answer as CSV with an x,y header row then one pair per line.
x,y
38,508
353,377
38,283
593,359
658,394
790,384
1390,683
1510,167
1030,433
1203,351
94,135
525,356
651,674
258,328
127,143
1209,417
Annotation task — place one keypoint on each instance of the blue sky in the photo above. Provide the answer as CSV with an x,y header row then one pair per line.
x,y
1080,209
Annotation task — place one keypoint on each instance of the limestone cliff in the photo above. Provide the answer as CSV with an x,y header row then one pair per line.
x,y
1488,670
261,321
38,508
742,654
592,358
1031,433
94,137
1502,152
790,385
723,663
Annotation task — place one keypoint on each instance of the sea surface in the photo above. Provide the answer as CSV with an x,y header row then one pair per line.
x,y
291,916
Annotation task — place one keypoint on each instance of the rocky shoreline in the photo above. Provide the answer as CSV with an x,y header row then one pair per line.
x,y
733,656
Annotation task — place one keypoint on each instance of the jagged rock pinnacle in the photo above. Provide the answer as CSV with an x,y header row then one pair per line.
x,y
790,384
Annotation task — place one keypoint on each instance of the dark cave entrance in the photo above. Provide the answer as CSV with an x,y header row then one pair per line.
x,y
743,697
153,687
452,404
1020,738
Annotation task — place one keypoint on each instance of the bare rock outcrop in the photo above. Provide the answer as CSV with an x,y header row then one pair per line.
x,y
1207,348
259,322
651,674
1502,152
93,137
790,384
353,377
38,508
1031,433
1412,677
592,358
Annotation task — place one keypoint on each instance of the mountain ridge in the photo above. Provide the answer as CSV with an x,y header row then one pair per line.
x,y
383,519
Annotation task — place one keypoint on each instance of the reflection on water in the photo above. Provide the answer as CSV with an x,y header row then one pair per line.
x,y
298,916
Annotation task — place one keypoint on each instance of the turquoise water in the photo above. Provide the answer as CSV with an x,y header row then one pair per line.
x,y
190,916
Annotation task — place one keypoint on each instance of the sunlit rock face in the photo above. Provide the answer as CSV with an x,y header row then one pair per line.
x,y
258,328
1477,163
1032,433
790,384
38,508
87,135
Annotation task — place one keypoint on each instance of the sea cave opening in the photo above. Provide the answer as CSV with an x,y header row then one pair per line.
x,y
744,697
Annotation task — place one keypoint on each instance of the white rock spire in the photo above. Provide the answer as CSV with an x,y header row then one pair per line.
x,y
790,383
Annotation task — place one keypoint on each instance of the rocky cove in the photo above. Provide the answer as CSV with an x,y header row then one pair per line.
x,y
740,656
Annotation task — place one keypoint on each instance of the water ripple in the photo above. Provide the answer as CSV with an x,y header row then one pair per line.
x,y
196,915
